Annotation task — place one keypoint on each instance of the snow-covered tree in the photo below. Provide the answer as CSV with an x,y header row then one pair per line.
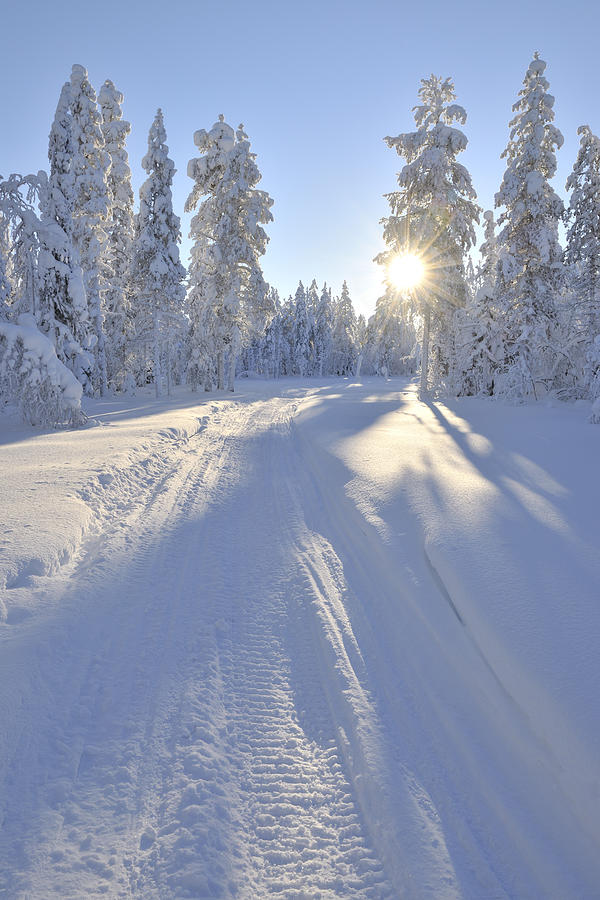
x,y
89,166
312,303
119,232
582,256
593,373
272,344
530,268
323,333
62,293
156,272
207,331
21,227
479,346
488,264
433,215
301,333
582,251
312,298
226,285
361,342
5,289
32,377
391,337
44,282
344,350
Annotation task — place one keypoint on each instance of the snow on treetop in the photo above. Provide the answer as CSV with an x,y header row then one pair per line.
x,y
536,66
78,72
110,96
223,135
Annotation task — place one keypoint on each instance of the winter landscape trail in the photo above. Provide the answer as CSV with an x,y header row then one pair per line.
x,y
264,672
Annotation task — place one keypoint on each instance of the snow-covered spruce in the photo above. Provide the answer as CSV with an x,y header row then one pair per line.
x,y
44,280
227,290
479,344
21,236
582,256
301,333
433,214
391,337
271,343
118,326
323,339
89,167
530,267
156,271
63,300
4,282
344,349
32,377
593,373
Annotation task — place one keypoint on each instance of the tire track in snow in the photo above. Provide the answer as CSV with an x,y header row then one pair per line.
x,y
284,802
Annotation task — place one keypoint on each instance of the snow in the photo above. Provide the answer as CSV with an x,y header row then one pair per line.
x,y
33,377
223,136
316,639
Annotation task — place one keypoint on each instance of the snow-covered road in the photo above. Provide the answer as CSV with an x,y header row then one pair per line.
x,y
276,666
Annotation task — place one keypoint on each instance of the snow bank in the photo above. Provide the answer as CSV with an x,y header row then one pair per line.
x,y
58,487
32,376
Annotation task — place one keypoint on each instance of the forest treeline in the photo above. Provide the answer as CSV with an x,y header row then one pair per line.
x,y
94,297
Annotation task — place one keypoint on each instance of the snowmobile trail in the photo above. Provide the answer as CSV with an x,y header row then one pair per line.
x,y
184,746
248,685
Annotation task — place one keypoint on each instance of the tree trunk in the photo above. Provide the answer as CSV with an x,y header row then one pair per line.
x,y
221,370
425,354
358,365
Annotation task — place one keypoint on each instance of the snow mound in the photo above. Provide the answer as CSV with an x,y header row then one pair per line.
x,y
32,376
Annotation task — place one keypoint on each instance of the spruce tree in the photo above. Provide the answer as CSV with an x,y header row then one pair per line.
x,y
89,167
433,215
479,329
344,351
582,253
272,343
5,285
119,234
530,268
204,309
62,292
323,333
229,239
361,341
391,337
301,332
156,272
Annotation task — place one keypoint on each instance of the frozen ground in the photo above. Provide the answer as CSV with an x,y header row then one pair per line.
x,y
312,640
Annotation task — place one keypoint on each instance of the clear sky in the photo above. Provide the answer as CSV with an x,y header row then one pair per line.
x,y
317,84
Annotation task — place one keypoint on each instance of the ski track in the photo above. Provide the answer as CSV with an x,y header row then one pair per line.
x,y
194,752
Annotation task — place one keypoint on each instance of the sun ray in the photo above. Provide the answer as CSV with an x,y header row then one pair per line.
x,y
406,271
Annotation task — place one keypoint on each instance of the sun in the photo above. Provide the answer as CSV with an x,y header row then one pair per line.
x,y
406,271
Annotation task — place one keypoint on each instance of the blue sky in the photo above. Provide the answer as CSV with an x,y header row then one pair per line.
x,y
317,86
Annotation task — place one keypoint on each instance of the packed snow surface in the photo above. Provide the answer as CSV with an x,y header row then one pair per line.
x,y
312,640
